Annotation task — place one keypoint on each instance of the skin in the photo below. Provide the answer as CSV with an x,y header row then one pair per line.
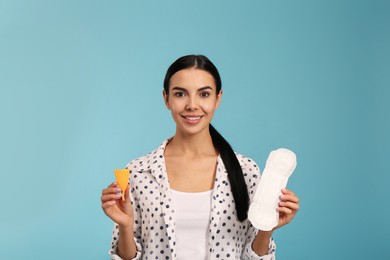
x,y
190,157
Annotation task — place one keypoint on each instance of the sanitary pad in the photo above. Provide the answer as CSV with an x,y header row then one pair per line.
x,y
279,166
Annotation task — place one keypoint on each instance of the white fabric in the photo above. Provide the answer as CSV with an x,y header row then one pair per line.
x,y
279,166
192,214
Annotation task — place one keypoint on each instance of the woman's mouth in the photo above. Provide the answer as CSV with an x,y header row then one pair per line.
x,y
192,119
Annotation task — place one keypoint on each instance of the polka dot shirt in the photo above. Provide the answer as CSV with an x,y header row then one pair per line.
x,y
154,223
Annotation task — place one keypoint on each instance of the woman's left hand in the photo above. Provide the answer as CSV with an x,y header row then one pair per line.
x,y
288,207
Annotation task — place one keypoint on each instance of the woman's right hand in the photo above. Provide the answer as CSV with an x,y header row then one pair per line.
x,y
121,212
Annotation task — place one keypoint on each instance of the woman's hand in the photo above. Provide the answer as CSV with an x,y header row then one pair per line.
x,y
121,212
288,207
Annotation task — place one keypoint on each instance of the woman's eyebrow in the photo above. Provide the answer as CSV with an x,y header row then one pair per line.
x,y
205,88
179,89
184,89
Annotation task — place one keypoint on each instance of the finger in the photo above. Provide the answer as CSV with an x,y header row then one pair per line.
x,y
127,193
287,192
111,190
121,202
284,210
108,204
291,198
110,197
290,205
114,184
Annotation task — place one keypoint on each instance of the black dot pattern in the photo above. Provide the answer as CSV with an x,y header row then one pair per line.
x,y
154,223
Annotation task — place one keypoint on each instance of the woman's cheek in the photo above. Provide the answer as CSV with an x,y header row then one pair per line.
x,y
207,107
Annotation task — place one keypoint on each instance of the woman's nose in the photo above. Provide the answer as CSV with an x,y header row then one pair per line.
x,y
191,103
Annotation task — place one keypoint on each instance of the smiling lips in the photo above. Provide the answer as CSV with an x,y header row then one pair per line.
x,y
192,119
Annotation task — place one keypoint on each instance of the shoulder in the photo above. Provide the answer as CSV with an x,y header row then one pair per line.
x,y
250,171
247,164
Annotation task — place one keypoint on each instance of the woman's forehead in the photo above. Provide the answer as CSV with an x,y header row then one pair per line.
x,y
189,78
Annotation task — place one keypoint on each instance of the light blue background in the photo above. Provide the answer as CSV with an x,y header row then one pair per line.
x,y
80,96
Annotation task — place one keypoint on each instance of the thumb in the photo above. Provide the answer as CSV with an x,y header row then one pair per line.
x,y
127,193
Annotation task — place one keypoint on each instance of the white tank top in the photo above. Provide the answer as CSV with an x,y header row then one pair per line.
x,y
192,214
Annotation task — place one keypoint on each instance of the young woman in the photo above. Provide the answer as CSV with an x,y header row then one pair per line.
x,y
189,198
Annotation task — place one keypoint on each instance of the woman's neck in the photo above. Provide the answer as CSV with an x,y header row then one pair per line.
x,y
191,145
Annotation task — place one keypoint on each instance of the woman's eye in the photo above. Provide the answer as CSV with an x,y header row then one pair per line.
x,y
179,94
204,94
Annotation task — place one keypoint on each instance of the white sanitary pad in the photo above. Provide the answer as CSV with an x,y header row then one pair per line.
x,y
279,166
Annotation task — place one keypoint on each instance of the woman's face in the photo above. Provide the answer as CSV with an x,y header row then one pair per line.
x,y
192,100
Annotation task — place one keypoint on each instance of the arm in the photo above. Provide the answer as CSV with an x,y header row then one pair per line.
x,y
261,243
126,244
288,207
121,212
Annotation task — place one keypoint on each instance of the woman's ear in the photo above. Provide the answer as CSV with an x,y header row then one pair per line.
x,y
219,97
166,99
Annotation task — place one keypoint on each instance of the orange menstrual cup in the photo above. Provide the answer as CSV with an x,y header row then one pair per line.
x,y
122,178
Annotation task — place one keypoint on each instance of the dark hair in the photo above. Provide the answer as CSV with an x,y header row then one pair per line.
x,y
233,168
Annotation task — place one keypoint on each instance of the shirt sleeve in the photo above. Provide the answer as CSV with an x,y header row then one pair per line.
x,y
137,228
249,254
114,247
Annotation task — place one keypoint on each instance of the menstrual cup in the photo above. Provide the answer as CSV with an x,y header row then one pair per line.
x,y
122,178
